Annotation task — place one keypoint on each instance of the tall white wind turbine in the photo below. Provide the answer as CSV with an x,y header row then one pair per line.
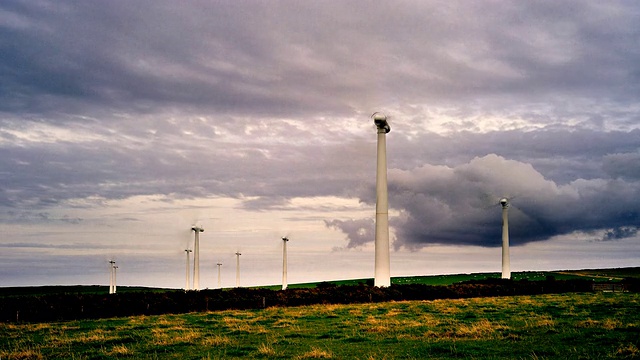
x,y
382,262
115,270
238,269
186,284
506,263
111,277
219,278
285,240
196,257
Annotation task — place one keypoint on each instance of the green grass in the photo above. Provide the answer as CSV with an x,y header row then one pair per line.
x,y
576,326
616,274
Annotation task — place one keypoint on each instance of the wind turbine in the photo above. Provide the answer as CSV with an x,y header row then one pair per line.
x,y
238,269
382,262
111,277
186,285
219,282
506,263
196,257
115,270
285,240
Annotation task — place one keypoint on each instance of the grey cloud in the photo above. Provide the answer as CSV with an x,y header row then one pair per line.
x,y
561,155
453,205
620,233
622,165
358,231
253,58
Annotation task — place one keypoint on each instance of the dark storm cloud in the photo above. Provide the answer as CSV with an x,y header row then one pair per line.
x,y
459,205
620,233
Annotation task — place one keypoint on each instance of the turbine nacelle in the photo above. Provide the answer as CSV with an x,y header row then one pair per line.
x,y
504,202
197,228
380,120
284,238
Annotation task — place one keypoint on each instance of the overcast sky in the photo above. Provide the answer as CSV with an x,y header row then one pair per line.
x,y
124,123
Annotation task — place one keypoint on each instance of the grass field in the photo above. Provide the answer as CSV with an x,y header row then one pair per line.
x,y
576,326
614,274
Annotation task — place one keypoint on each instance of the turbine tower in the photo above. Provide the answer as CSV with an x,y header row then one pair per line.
x,y
115,270
506,265
238,269
219,282
285,240
382,263
186,285
196,257
111,277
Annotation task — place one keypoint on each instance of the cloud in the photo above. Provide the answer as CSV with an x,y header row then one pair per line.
x,y
459,205
620,233
248,59
359,232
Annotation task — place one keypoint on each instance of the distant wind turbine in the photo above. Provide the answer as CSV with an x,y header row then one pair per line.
x,y
506,262
115,270
111,277
196,257
238,269
219,282
285,240
186,285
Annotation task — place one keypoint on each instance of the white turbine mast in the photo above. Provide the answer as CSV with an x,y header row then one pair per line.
x,y
285,240
219,282
196,257
112,280
186,284
506,263
115,270
382,262
238,269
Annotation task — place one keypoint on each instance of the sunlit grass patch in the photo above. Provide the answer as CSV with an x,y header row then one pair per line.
x,y
539,321
483,329
95,336
118,350
285,323
216,340
266,350
175,335
316,353
19,354
628,351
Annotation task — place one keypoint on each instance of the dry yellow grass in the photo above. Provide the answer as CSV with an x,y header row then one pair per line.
x,y
175,335
316,353
216,340
22,354
119,350
266,350
540,321
629,351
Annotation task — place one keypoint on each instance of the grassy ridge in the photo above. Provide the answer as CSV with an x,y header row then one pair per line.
x,y
579,325
614,274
